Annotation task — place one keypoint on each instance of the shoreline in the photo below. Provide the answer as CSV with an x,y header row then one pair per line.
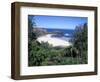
x,y
54,41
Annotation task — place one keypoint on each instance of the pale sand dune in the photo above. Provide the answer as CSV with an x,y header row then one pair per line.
x,y
53,41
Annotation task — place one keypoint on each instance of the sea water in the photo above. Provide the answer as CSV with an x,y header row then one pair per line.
x,y
66,33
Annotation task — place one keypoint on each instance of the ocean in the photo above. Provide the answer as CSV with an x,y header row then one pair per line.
x,y
67,33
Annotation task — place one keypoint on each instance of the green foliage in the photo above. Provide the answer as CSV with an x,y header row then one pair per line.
x,y
80,41
31,25
41,54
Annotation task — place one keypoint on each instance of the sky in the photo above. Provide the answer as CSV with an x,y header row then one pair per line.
x,y
58,22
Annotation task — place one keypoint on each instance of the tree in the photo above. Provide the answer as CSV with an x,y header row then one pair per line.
x,y
31,39
31,25
79,41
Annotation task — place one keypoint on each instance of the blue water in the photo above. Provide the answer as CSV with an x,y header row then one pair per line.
x,y
69,32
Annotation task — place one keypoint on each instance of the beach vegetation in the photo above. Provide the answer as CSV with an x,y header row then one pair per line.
x,y
42,54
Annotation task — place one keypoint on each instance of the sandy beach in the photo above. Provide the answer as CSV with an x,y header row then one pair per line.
x,y
54,41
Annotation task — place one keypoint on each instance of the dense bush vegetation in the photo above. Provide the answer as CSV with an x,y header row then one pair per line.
x,y
79,41
40,54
